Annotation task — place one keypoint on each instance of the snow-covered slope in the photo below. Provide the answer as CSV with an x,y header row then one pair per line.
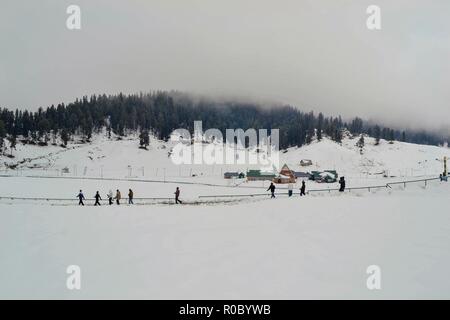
x,y
112,158
397,159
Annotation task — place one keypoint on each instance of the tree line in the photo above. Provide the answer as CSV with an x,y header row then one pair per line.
x,y
159,113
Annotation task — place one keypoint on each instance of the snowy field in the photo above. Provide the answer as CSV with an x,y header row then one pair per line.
x,y
318,246
311,247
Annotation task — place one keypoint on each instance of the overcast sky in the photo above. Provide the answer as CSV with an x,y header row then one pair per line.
x,y
314,54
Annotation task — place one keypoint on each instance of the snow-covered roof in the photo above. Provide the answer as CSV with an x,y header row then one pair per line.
x,y
327,174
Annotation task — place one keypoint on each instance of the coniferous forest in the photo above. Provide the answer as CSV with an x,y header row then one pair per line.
x,y
162,112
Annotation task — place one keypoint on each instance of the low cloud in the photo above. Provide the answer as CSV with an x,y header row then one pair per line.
x,y
316,55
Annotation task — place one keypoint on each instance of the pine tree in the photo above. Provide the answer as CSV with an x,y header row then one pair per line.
x,y
360,143
2,135
64,137
356,126
377,135
391,136
144,139
108,130
338,136
309,136
12,142
88,126
385,133
319,127
43,129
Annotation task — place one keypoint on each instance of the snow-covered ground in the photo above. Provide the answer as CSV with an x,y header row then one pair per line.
x,y
311,247
123,159
317,246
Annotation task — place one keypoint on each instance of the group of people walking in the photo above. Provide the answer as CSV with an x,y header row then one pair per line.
x,y
109,195
302,188
272,189
118,197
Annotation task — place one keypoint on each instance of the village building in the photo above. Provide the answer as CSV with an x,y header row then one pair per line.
x,y
286,175
306,162
231,175
301,175
257,175
282,179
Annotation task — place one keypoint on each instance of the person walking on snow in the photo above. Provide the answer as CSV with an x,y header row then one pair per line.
x,y
303,188
177,196
342,183
130,196
290,187
272,190
110,197
81,198
118,196
97,199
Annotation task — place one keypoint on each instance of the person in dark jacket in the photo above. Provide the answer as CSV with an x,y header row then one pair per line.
x,y
303,189
81,198
110,197
97,199
130,196
177,196
118,196
272,190
342,183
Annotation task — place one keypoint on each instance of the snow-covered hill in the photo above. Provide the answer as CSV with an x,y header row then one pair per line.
x,y
105,157
398,159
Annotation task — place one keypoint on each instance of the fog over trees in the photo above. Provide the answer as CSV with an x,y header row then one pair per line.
x,y
162,112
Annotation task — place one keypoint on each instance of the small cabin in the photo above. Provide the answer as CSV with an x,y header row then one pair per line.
x,y
231,175
282,179
306,162
286,175
328,176
301,175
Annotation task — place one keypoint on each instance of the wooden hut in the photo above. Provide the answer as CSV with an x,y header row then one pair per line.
x,y
286,176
